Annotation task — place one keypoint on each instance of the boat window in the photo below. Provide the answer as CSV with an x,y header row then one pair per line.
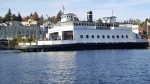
x,y
97,36
113,36
67,35
117,36
126,36
87,36
76,23
108,36
122,36
103,36
92,36
81,36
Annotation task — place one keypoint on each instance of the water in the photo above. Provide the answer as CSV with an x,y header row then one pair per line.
x,y
76,67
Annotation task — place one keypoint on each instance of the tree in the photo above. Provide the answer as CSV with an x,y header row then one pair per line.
x,y
1,19
8,16
19,17
99,21
137,22
145,24
14,17
27,40
19,39
31,14
12,43
26,18
41,20
35,16
76,19
53,19
58,17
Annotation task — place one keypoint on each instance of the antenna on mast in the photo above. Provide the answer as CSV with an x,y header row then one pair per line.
x,y
63,8
112,12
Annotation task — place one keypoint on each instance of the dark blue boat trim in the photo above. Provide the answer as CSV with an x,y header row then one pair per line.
x,y
82,46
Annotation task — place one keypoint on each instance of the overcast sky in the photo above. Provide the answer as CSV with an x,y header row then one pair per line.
x,y
123,9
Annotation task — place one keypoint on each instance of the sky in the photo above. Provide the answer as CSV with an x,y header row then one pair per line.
x,y
123,9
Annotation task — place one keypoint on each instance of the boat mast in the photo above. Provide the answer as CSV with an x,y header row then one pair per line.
x,y
112,12
63,8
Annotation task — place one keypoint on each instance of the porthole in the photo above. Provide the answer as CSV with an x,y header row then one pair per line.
x,y
103,36
117,36
108,36
126,36
81,36
98,36
113,36
92,36
87,36
122,36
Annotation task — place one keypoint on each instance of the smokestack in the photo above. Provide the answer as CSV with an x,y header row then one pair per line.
x,y
89,16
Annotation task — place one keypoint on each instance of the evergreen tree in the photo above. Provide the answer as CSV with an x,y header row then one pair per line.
x,y
19,17
1,19
31,14
35,16
58,17
149,20
14,18
145,24
8,16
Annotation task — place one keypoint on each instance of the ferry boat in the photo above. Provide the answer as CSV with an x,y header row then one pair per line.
x,y
72,34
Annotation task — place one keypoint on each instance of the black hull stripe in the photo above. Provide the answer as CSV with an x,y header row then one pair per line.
x,y
82,46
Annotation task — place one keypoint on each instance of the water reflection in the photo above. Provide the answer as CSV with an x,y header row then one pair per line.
x,y
76,67
62,67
